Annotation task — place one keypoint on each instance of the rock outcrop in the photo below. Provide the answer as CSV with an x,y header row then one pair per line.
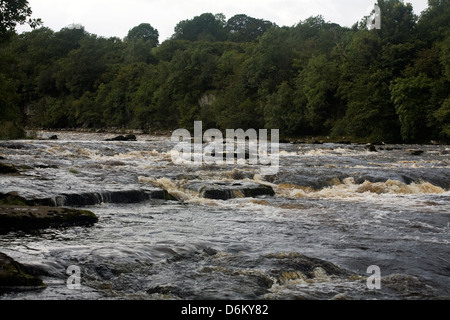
x,y
14,277
228,190
7,169
88,198
25,218
129,137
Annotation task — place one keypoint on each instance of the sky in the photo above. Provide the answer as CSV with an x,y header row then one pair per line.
x,y
114,18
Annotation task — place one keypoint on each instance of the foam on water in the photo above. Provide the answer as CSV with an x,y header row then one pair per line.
x,y
340,203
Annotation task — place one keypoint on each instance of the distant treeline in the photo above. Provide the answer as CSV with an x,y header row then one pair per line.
x,y
315,78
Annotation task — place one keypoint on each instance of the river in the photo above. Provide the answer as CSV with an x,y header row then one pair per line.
x,y
337,209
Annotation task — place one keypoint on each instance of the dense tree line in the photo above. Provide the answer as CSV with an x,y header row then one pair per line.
x,y
314,78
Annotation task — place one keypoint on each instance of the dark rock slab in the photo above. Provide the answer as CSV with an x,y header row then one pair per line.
x,y
89,198
16,146
26,218
228,190
416,152
93,198
129,137
7,168
14,277
170,291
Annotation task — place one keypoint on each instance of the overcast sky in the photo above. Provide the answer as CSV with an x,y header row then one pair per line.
x,y
110,18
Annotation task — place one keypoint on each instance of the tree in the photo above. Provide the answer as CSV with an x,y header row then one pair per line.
x,y
442,115
243,28
271,61
191,76
115,97
370,62
433,23
68,39
13,12
51,112
206,27
445,55
320,85
389,84
144,32
398,22
411,97
139,51
370,114
285,111
87,112
10,115
81,70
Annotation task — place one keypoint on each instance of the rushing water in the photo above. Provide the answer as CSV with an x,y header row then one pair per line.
x,y
340,203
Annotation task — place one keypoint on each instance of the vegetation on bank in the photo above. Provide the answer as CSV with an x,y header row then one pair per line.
x,y
315,78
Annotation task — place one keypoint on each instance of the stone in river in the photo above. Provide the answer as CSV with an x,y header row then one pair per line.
x,y
228,190
25,218
416,152
129,137
7,168
14,277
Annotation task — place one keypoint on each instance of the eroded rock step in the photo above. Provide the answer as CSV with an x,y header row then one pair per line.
x,y
26,218
220,190
93,198
89,198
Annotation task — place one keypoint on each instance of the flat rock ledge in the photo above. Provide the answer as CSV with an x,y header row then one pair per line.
x,y
26,218
88,198
228,190
13,276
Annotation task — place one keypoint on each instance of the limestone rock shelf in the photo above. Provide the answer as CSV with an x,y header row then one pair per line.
x,y
25,218
228,190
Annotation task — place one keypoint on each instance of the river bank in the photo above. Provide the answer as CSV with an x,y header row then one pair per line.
x,y
33,133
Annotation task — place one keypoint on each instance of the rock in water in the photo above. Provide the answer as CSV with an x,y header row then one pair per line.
x,y
13,276
26,218
129,137
416,152
7,168
371,147
227,190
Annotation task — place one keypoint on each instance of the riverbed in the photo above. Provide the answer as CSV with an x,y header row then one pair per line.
x,y
337,209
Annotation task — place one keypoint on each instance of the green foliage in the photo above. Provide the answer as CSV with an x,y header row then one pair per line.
x,y
243,28
370,114
206,27
443,116
13,12
411,97
320,79
284,109
81,70
144,32
10,113
314,78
